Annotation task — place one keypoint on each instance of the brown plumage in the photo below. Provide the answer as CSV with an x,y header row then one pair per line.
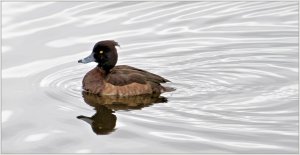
x,y
122,80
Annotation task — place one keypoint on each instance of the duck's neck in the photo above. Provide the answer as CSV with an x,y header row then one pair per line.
x,y
104,72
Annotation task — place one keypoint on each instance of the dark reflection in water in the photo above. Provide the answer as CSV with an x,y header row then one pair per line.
x,y
104,121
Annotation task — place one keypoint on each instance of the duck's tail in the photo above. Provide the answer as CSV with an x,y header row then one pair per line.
x,y
167,89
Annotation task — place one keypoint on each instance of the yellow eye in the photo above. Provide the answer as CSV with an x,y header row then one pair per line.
x,y
101,52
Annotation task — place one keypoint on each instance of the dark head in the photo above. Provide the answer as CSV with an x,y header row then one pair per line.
x,y
104,53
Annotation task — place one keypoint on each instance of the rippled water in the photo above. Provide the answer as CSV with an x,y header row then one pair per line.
x,y
234,65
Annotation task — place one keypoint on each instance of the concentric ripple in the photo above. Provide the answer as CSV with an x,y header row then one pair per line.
x,y
64,84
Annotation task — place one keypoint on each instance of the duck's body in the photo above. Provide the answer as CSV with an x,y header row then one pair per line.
x,y
123,80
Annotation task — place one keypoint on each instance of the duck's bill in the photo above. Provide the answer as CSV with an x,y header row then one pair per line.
x,y
88,59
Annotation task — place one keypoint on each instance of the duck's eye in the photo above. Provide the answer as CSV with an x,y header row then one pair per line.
x,y
101,52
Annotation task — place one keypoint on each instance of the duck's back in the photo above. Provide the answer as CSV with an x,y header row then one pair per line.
x,y
123,80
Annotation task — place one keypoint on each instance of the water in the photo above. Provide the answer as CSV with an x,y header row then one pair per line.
x,y
234,65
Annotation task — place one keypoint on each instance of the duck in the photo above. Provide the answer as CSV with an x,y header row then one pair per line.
x,y
107,78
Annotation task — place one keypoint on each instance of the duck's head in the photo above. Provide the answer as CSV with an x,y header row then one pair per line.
x,y
104,53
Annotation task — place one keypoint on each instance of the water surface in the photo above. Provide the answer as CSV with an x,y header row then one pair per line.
x,y
234,65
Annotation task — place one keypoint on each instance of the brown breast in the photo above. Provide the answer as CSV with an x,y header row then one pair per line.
x,y
93,81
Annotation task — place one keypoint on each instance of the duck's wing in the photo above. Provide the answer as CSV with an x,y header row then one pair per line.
x,y
124,75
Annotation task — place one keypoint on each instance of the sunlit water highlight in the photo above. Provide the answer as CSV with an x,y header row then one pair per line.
x,y
234,65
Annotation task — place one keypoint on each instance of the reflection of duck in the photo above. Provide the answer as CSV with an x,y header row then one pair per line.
x,y
122,80
104,121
